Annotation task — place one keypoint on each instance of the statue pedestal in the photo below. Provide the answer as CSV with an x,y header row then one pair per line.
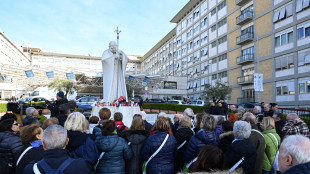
x,y
127,111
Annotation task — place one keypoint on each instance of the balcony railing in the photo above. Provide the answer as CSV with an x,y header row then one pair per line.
x,y
245,38
248,79
241,2
245,59
245,17
245,100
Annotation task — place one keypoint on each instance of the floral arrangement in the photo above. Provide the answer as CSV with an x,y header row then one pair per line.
x,y
122,99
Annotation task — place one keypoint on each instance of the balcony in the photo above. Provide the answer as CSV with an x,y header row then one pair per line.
x,y
245,17
241,2
247,58
248,79
245,38
245,100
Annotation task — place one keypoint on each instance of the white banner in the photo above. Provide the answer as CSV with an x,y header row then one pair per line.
x,y
256,88
260,82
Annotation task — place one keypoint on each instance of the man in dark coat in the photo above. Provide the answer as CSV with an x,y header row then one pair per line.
x,y
55,108
258,140
212,109
294,155
221,109
54,143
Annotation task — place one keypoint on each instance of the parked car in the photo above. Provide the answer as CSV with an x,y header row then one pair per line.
x,y
86,102
197,102
155,100
36,102
176,102
135,99
248,106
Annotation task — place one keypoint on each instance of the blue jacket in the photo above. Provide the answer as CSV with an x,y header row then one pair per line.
x,y
116,152
299,169
82,146
54,158
163,162
197,141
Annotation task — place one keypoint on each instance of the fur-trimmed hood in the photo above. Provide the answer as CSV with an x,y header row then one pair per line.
x,y
229,133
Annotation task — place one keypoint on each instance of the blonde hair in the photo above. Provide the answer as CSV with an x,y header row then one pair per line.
x,y
76,122
162,124
268,123
137,124
209,122
185,122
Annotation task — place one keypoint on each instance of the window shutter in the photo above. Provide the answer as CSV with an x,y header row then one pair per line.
x,y
282,13
289,10
276,16
299,5
305,4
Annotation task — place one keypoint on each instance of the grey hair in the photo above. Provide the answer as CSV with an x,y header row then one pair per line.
x,y
188,112
77,122
162,114
242,129
298,147
209,122
241,109
30,110
292,115
258,108
249,117
55,137
143,114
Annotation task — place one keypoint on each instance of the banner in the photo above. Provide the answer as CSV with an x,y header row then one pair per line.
x,y
131,78
70,75
29,73
50,74
258,82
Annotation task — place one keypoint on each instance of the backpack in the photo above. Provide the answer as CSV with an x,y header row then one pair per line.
x,y
119,131
48,170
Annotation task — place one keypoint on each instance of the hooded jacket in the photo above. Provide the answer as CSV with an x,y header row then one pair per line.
x,y
226,139
136,139
271,148
197,141
116,151
181,135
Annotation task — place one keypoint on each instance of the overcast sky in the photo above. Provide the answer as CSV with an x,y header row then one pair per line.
x,y
86,27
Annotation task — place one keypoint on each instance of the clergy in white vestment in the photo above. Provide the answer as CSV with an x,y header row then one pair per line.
x,y
114,62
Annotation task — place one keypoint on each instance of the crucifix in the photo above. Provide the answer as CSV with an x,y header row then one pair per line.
x,y
117,33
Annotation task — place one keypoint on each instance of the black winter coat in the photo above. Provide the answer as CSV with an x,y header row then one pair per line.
x,y
181,135
163,162
54,158
212,110
116,152
10,147
148,126
299,169
279,126
197,141
221,111
137,139
238,149
226,140
55,108
34,154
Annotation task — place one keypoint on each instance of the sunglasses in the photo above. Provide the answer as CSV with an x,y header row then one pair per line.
x,y
16,124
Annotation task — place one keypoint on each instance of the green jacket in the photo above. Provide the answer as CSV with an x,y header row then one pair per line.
x,y
271,148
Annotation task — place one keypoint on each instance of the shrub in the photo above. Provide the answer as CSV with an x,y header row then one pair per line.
x,y
146,106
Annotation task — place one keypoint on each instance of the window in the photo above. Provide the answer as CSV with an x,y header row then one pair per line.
x,y
283,13
223,74
285,62
214,77
247,51
301,5
285,88
204,39
196,14
284,39
213,44
213,12
170,85
304,87
196,28
189,20
213,28
190,45
204,22
222,40
222,22
223,57
304,57
221,6
303,31
213,60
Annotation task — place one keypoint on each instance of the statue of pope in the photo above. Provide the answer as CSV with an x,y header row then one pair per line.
x,y
114,64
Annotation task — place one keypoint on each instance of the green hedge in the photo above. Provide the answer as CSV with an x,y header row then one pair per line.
x,y
3,107
172,107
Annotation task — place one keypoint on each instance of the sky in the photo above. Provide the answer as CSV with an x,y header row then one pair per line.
x,y
85,27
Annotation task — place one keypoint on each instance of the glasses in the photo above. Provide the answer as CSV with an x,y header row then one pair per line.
x,y
16,124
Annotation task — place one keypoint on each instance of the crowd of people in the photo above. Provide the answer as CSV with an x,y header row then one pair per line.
x,y
238,142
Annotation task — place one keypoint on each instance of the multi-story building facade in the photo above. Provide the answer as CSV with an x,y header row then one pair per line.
x,y
230,40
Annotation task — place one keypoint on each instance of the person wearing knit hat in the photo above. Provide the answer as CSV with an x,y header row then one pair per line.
x,y
55,107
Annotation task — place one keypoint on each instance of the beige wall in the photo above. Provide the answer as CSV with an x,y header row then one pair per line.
x,y
265,67
262,5
266,95
233,75
232,20
265,46
235,94
231,5
263,24
232,55
232,38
